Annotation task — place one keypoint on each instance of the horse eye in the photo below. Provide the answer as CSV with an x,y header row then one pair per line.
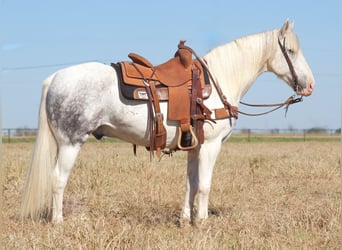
x,y
290,51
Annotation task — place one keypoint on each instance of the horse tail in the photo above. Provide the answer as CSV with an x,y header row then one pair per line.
x,y
37,197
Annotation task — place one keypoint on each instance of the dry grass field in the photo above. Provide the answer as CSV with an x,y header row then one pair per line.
x,y
271,195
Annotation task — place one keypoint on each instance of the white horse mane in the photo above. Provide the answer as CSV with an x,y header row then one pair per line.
x,y
226,60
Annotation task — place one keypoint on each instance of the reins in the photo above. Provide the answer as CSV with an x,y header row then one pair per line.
x,y
287,103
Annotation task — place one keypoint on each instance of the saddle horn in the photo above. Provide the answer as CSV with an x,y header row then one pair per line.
x,y
184,53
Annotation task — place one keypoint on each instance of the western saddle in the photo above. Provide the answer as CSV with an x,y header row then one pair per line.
x,y
181,81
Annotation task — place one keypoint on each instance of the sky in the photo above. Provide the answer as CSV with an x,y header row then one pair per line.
x,y
38,38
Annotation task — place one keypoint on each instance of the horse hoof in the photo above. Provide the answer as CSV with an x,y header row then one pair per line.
x,y
184,223
57,220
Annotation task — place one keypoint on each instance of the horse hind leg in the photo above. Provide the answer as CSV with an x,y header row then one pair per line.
x,y
66,157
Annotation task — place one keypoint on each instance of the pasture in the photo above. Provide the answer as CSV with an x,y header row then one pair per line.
x,y
264,195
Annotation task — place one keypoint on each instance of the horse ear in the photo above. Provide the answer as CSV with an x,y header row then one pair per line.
x,y
287,26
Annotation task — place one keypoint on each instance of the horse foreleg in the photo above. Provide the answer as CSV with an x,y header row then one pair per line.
x,y
191,186
201,164
207,158
67,155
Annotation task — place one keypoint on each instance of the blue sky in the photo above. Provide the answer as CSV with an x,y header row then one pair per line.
x,y
40,37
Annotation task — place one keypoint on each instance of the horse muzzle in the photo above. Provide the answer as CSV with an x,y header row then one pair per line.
x,y
310,85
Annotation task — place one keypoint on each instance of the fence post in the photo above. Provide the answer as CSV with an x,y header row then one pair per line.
x,y
304,132
249,135
9,135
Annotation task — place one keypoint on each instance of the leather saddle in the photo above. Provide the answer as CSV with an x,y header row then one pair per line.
x,y
175,72
182,82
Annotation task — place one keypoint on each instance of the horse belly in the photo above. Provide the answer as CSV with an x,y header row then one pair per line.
x,y
130,123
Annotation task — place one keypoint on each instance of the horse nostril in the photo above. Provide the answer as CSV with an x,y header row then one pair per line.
x,y
310,84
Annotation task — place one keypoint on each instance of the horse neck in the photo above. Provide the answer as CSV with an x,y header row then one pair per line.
x,y
236,65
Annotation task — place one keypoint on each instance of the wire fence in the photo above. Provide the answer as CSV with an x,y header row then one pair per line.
x,y
12,135
313,134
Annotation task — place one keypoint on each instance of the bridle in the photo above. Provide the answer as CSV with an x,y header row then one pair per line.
x,y
296,86
291,99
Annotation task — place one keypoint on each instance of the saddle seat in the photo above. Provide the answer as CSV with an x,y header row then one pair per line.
x,y
173,73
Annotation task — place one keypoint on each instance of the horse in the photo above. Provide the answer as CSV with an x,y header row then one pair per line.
x,y
84,99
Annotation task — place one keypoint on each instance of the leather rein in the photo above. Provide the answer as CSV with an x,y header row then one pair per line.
x,y
287,103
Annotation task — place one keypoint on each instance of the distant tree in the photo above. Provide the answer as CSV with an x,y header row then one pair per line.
x,y
19,131
316,130
291,128
25,132
338,131
275,131
245,131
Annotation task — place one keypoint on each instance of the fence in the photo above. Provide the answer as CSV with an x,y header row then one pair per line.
x,y
10,135
18,134
313,134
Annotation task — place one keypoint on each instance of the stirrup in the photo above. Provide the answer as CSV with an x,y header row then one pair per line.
x,y
194,137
